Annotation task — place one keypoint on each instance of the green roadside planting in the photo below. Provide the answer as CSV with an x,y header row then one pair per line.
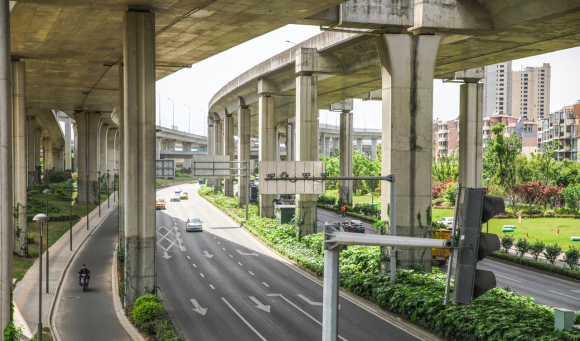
x,y
499,314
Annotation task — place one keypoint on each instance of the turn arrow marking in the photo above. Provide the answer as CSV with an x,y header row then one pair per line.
x,y
206,254
247,254
265,308
165,255
309,301
198,308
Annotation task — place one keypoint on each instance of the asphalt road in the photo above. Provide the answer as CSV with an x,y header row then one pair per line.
x,y
328,216
90,315
547,290
220,285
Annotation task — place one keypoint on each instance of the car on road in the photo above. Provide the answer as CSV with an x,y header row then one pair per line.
x,y
178,190
201,181
353,226
160,203
174,197
183,195
446,221
194,224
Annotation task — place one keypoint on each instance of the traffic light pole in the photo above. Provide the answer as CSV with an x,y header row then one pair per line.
x,y
448,280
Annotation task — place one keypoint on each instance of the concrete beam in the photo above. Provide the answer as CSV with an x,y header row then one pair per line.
x,y
75,161
31,150
46,155
309,61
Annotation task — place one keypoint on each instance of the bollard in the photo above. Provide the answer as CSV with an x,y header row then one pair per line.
x,y
527,235
558,232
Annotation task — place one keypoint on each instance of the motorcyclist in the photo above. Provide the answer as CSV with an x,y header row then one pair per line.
x,y
84,271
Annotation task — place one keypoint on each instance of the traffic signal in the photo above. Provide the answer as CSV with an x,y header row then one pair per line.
x,y
474,245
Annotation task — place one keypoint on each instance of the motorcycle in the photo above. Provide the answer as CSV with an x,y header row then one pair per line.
x,y
84,282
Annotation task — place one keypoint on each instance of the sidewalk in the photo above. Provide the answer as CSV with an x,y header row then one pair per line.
x,y
26,291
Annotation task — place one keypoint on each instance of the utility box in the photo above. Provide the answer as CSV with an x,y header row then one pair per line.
x,y
563,318
253,193
285,213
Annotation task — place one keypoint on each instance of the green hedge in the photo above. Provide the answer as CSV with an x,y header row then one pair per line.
x,y
536,264
500,314
150,318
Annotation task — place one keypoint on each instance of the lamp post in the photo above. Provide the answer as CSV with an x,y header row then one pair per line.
x,y
99,195
189,125
173,127
108,199
47,192
40,218
487,192
70,204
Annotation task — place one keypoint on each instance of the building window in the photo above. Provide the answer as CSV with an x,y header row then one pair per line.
x,y
525,75
500,108
501,89
501,93
501,66
501,84
500,103
501,99
525,83
525,95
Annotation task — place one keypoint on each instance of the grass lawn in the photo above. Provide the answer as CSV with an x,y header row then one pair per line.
x,y
544,229
161,182
356,198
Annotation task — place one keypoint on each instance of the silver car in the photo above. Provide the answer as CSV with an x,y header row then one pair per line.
x,y
175,197
194,224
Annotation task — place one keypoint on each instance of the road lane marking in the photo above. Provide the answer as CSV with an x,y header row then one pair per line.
x,y
198,307
188,257
251,273
211,286
218,242
195,266
309,301
511,279
223,248
267,286
559,293
201,274
206,254
240,264
243,319
305,313
231,256
265,308
165,255
247,254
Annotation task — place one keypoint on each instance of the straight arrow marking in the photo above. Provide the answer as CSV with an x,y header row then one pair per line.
x,y
198,308
165,255
247,254
243,319
206,254
265,308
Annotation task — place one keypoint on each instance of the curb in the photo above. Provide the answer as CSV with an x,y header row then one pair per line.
x,y
56,297
127,325
384,315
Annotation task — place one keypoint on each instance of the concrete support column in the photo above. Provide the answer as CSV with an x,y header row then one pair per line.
x,y
67,143
346,129
20,171
117,152
31,150
139,153
46,155
289,142
171,144
210,145
158,148
243,149
407,66
266,151
307,144
111,154
75,162
277,143
103,148
335,143
6,180
87,157
229,151
120,172
186,146
374,149
37,154
359,145
57,160
219,147
186,163
326,146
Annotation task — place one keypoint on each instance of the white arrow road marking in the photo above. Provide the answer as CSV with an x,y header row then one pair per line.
x,y
267,286
165,255
198,308
247,254
302,311
309,301
243,319
206,254
265,308
555,292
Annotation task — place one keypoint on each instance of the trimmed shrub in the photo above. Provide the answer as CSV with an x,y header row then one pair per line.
x,y
552,252
145,312
522,246
558,270
507,241
56,176
146,298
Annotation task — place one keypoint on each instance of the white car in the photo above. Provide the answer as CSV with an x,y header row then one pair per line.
x,y
178,190
175,197
194,224
447,221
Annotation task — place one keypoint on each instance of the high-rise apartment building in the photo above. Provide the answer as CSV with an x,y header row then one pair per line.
x,y
447,134
497,89
561,126
531,92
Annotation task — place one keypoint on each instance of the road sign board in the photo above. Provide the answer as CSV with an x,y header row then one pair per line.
x,y
292,169
165,168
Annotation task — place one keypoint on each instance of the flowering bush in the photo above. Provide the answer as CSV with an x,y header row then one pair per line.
x,y
438,190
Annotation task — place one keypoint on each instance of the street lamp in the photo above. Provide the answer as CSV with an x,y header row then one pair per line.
x,y
99,195
47,192
173,112
70,204
40,218
288,41
189,125
108,196
487,192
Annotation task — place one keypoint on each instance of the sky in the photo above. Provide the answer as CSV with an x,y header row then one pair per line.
x,y
196,86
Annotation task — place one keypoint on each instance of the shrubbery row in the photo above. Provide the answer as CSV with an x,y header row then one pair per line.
x,y
500,314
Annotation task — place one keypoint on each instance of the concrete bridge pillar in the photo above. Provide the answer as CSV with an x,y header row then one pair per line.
x,y
229,151
87,157
186,146
111,154
37,154
327,146
345,146
20,171
46,155
210,144
158,148
335,143
359,145
171,144
471,128
103,148
31,148
266,150
243,148
374,149
219,147
307,142
75,162
138,173
120,172
290,142
277,143
117,152
57,160
407,67
67,143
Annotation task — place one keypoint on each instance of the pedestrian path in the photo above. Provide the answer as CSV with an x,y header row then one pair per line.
x,y
26,293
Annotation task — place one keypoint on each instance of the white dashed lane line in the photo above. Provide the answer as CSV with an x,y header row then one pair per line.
x,y
267,286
